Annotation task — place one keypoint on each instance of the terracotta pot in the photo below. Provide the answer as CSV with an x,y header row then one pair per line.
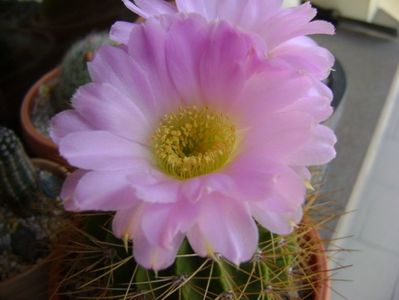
x,y
322,290
37,143
33,283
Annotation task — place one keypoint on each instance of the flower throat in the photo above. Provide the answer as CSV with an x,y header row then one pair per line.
x,y
193,142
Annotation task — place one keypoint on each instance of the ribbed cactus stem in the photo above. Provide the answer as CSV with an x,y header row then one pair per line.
x,y
18,180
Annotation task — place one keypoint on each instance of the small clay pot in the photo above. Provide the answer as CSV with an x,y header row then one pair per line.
x,y
323,287
33,283
37,143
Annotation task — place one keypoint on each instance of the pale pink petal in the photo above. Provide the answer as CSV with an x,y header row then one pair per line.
x,y
279,223
257,100
154,257
302,172
194,188
198,242
235,57
293,22
155,187
105,108
227,227
308,59
320,150
67,122
183,53
101,150
120,31
147,48
104,191
68,189
126,222
161,223
114,66
240,12
318,107
280,135
289,186
149,8
258,180
253,177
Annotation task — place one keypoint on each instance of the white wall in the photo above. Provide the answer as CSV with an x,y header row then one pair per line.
x,y
289,3
361,9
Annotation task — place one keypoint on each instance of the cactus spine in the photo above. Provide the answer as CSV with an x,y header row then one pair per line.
x,y
99,266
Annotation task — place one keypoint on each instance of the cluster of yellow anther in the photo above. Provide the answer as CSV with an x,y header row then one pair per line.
x,y
193,141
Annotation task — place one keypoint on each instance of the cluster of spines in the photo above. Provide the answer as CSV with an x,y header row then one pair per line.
x,y
97,264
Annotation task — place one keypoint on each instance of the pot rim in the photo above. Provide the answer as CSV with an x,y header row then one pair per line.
x,y
29,130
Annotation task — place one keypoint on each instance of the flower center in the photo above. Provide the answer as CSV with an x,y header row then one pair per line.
x,y
193,142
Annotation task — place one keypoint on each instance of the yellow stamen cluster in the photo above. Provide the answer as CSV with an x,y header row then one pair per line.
x,y
193,141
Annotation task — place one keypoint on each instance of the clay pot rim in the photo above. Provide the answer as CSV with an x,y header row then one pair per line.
x,y
27,105
323,292
52,166
30,269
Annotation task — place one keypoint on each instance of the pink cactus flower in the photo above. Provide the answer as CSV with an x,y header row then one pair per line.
x,y
185,131
281,31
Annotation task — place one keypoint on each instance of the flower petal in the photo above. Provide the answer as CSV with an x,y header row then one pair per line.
x,y
68,189
149,8
309,59
155,187
183,52
101,150
319,107
195,188
126,222
104,108
114,66
293,22
147,47
67,122
161,223
104,191
280,135
236,58
227,227
320,150
269,92
258,180
154,257
279,223
120,31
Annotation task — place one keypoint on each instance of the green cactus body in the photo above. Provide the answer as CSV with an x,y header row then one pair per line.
x,y
17,174
74,72
280,270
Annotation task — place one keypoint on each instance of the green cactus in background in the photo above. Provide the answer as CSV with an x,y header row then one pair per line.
x,y
18,180
74,72
96,265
